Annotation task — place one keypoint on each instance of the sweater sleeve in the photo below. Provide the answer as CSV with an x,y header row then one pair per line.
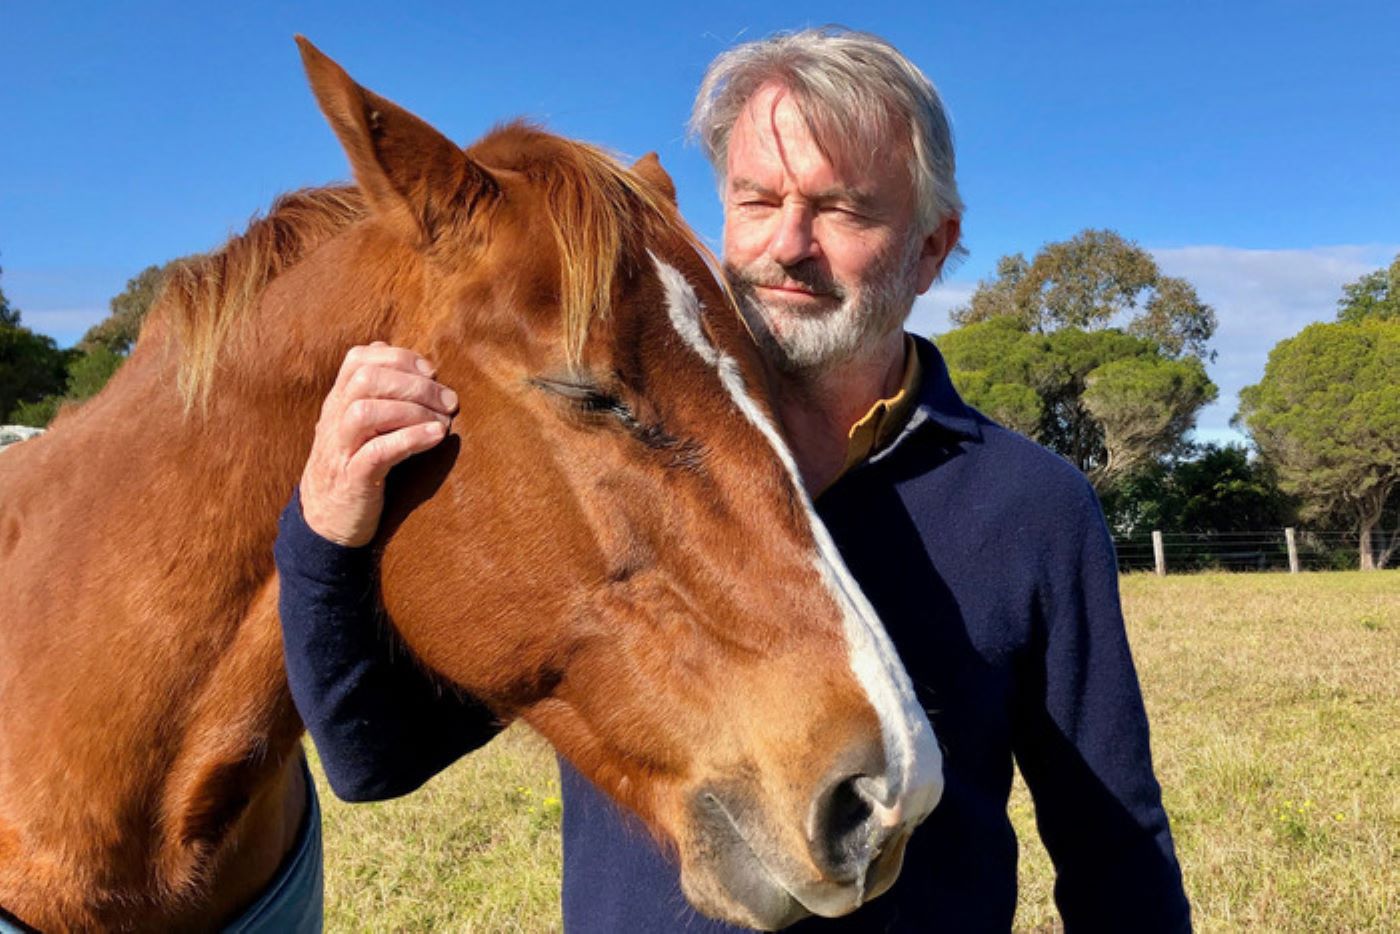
x,y
381,723
1082,745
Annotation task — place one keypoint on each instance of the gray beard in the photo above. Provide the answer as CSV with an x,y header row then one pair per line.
x,y
811,344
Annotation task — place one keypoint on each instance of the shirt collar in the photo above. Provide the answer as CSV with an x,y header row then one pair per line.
x,y
938,404
887,416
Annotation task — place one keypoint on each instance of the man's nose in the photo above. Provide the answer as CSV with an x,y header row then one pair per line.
x,y
793,241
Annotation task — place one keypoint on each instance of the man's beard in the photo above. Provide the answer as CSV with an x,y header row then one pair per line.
x,y
808,342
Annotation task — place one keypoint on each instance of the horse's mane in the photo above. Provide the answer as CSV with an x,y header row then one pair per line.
x,y
205,296
599,212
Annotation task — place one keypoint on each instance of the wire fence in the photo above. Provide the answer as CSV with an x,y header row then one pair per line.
x,y
1266,550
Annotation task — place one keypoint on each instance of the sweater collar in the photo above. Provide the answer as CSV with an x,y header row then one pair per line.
x,y
939,406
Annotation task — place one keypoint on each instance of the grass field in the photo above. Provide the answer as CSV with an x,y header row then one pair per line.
x,y
1275,706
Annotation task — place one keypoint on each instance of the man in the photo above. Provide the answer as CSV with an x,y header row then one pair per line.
x,y
985,555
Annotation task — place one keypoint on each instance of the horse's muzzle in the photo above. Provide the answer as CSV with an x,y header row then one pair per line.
x,y
738,869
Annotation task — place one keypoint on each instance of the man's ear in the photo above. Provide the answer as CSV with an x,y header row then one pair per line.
x,y
937,247
649,168
413,177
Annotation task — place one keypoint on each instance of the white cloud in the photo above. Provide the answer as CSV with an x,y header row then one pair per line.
x,y
1261,297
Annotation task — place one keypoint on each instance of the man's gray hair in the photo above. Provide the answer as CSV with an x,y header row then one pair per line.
x,y
857,93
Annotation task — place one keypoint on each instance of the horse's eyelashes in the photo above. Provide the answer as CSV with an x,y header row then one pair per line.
x,y
580,393
588,398
604,403
591,399
595,401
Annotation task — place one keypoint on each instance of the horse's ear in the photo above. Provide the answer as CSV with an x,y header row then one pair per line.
x,y
411,175
649,168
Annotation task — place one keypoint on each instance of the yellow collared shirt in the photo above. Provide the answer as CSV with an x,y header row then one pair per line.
x,y
886,417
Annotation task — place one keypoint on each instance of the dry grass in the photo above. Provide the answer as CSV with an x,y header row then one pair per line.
x,y
1275,705
476,849
1275,708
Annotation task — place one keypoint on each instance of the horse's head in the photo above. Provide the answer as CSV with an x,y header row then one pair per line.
x,y
614,543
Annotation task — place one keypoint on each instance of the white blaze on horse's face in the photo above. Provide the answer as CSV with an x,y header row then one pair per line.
x,y
912,781
639,575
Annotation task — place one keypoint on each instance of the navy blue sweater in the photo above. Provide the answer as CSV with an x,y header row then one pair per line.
x,y
989,562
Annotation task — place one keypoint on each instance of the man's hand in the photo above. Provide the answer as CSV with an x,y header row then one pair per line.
x,y
385,407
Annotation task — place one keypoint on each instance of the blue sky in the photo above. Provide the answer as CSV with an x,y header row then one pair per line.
x,y
1252,146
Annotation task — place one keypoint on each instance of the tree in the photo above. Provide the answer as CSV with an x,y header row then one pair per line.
x,y
31,365
1222,490
90,364
1374,295
1145,405
9,316
87,373
1327,415
37,414
1038,351
119,330
1214,489
1091,281
998,297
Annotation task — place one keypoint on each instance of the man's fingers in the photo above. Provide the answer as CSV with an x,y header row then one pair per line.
x,y
385,407
380,354
364,419
377,382
374,459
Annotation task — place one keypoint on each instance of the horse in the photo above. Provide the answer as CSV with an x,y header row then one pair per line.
x,y
612,544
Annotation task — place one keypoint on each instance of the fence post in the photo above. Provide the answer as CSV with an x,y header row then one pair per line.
x,y
1159,553
1292,551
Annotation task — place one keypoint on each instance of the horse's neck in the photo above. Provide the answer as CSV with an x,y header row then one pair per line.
x,y
157,665
244,450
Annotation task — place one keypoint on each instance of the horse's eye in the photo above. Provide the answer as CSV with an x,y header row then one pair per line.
x,y
601,403
592,399
587,397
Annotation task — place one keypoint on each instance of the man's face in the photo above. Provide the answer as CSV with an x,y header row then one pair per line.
x,y
825,257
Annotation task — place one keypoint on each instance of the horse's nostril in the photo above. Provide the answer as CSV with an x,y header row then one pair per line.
x,y
844,837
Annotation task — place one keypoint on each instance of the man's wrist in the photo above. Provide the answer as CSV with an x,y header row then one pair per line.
x,y
302,550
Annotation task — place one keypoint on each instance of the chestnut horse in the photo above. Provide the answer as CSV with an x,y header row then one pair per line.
x,y
612,544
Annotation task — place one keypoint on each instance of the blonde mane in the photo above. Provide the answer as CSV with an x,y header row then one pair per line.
x,y
205,296
600,214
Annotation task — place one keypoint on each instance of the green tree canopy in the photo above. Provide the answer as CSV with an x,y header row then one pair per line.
x,y
1109,400
1327,415
119,330
1374,295
9,316
31,365
1094,280
1145,406
85,369
1214,489
86,374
